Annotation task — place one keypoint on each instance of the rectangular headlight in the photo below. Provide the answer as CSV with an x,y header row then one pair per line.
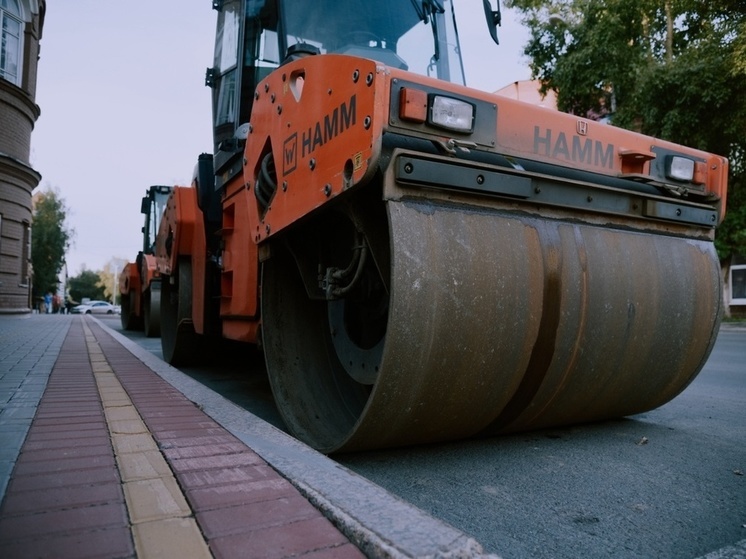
x,y
451,114
679,168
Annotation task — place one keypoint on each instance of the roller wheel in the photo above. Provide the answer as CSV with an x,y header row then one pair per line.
x,y
152,311
398,359
466,321
130,321
320,393
178,340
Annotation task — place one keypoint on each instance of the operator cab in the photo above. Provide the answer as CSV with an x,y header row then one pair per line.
x,y
152,206
254,37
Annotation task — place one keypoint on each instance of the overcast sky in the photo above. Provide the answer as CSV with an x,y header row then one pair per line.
x,y
123,106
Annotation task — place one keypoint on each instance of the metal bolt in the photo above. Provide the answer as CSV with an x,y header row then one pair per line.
x,y
284,186
590,198
327,190
408,168
356,76
279,109
537,190
480,179
312,164
366,122
256,95
678,212
272,98
266,87
369,78
266,228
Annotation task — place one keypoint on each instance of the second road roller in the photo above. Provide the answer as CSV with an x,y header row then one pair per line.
x,y
421,261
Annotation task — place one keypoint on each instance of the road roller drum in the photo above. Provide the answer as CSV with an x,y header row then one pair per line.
x,y
496,322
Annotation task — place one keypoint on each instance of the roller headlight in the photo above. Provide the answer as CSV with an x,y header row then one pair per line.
x,y
679,168
452,114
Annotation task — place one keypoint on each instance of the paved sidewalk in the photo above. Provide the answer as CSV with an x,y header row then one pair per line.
x,y
100,457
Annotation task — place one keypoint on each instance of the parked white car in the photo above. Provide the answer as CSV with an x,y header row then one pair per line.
x,y
95,307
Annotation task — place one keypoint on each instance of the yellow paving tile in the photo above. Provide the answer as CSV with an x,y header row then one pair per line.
x,y
113,391
140,466
174,538
107,383
127,426
155,499
116,402
162,523
122,413
140,442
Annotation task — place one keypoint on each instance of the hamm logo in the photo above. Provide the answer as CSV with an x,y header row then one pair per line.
x,y
290,155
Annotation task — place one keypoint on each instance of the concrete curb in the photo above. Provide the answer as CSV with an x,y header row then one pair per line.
x,y
379,523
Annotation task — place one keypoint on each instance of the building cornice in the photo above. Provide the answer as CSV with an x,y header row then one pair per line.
x,y
16,168
14,95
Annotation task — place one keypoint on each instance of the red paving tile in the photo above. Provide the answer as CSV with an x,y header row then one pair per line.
x,y
256,516
60,432
204,450
224,476
37,525
106,543
65,497
94,440
52,467
346,551
213,497
60,452
185,442
281,541
218,461
92,476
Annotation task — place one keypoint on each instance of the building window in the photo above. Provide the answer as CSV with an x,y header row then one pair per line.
x,y
11,26
738,284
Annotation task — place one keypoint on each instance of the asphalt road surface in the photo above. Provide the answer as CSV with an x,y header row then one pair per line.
x,y
670,483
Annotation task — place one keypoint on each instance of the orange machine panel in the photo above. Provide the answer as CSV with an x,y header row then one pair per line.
x,y
176,232
149,270
520,129
322,119
129,280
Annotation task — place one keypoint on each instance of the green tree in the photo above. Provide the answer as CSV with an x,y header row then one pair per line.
x,y
86,284
109,279
674,69
50,239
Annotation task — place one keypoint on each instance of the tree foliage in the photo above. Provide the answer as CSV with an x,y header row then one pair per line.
x,y
50,239
109,279
674,69
86,284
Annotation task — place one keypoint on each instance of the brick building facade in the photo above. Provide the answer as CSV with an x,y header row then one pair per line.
x,y
21,23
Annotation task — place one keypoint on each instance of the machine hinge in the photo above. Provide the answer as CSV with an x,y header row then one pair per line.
x,y
210,74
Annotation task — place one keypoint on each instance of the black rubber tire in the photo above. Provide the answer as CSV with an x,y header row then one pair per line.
x,y
179,342
130,321
152,312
